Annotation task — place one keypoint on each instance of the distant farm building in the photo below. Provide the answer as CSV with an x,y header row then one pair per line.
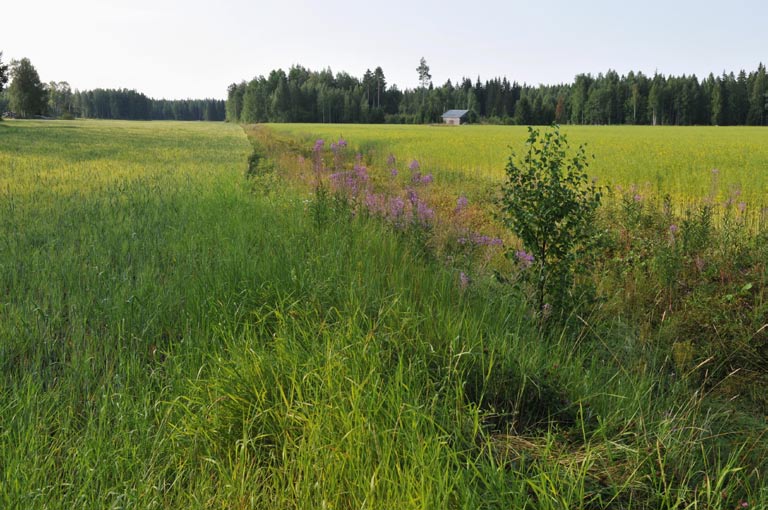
x,y
456,117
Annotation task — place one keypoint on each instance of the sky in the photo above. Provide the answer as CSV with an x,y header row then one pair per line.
x,y
179,49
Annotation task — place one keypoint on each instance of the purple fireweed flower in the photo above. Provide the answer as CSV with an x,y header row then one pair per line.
x,y
396,207
673,229
338,152
463,280
412,196
338,181
374,202
424,213
414,165
361,172
483,240
637,197
427,179
317,163
461,203
370,200
525,258
350,182
393,172
391,160
416,177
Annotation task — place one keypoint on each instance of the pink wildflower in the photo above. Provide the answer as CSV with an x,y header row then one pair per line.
x,y
525,258
463,280
461,203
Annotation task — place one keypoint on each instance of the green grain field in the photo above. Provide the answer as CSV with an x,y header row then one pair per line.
x,y
666,160
176,335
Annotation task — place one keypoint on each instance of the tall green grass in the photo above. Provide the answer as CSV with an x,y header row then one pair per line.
x,y
172,335
688,273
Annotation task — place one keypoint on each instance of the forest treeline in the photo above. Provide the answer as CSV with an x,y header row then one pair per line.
x,y
28,96
129,105
303,95
57,99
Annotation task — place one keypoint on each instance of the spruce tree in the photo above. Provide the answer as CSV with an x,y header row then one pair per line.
x,y
757,98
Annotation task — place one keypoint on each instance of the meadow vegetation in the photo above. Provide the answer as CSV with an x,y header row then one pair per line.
x,y
190,319
682,258
656,160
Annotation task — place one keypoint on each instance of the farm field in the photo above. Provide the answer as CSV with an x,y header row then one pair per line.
x,y
180,330
674,160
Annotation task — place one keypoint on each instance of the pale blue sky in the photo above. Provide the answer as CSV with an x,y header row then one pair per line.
x,y
192,48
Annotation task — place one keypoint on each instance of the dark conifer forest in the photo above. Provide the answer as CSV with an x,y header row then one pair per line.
x,y
303,95
132,105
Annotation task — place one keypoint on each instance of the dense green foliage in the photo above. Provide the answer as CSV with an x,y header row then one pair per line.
x,y
302,95
4,68
550,206
124,104
3,73
27,95
178,335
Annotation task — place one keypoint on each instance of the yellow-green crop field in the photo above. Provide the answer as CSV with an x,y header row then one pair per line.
x,y
674,160
83,157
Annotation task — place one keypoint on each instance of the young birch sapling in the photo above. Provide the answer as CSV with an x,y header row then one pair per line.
x,y
550,205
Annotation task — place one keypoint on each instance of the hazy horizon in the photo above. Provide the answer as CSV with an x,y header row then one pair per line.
x,y
178,50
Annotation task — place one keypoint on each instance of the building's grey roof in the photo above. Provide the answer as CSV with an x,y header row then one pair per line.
x,y
455,114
